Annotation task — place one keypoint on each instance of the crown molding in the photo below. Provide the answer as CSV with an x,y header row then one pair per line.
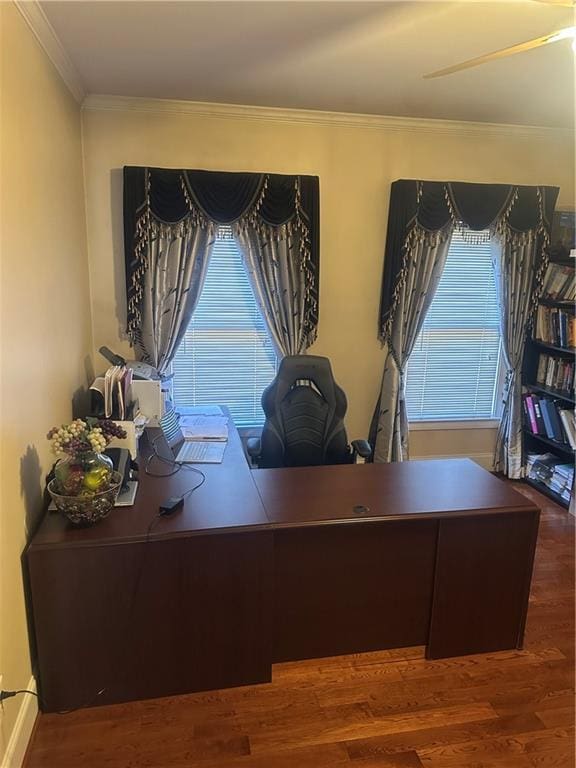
x,y
101,102
50,42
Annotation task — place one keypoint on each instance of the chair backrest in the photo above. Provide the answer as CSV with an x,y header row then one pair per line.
x,y
304,410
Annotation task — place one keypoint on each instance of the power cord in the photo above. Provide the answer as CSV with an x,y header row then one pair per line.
x,y
176,466
167,509
9,694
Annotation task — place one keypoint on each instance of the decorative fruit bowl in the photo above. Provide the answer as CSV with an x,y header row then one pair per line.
x,y
89,507
85,486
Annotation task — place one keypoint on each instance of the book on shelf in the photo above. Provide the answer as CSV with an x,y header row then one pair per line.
x,y
555,372
556,426
569,424
549,418
531,413
554,473
555,326
559,284
549,431
541,430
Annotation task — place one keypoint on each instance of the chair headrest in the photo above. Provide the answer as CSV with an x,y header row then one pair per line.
x,y
306,367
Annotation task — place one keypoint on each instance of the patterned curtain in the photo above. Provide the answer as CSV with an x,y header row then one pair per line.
x,y
420,210
424,259
177,256
277,260
170,223
519,271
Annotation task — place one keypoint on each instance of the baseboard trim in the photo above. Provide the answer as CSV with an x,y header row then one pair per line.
x,y
483,459
23,728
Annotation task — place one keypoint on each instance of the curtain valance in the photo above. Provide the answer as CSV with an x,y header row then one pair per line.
x,y
420,208
165,201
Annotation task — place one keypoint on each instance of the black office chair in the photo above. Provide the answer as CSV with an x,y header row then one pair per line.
x,y
304,425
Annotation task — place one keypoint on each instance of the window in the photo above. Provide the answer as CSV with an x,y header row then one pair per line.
x,y
453,372
226,355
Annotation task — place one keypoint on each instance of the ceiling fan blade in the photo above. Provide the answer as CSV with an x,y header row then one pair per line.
x,y
560,34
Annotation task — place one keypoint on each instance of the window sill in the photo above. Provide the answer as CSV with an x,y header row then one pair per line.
x,y
439,426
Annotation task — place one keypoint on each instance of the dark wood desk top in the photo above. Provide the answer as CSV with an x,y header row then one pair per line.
x,y
303,496
234,498
227,501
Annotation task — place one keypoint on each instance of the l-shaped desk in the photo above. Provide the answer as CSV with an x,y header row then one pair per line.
x,y
272,565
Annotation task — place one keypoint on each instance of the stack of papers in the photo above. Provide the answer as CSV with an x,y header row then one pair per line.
x,y
116,390
562,479
549,470
540,466
202,427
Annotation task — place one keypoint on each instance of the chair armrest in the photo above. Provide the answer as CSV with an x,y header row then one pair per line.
x,y
362,448
253,447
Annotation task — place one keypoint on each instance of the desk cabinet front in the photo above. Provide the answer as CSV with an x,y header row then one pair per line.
x,y
142,620
351,588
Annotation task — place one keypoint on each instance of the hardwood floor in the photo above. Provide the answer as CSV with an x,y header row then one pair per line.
x,y
388,709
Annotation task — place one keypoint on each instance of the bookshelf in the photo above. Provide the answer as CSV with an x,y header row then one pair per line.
x,y
549,435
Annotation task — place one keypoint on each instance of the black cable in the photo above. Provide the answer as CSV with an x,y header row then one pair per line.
x,y
176,467
198,472
158,517
155,455
9,694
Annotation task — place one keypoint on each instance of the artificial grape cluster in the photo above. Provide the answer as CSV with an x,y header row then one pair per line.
x,y
110,429
70,438
97,439
83,435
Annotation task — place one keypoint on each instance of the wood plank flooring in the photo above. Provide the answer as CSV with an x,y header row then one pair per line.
x,y
389,709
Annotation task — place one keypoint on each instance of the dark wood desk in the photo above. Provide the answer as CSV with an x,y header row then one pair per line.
x,y
435,553
184,608
272,565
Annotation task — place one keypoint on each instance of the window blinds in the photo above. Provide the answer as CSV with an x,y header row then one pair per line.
x,y
453,370
226,356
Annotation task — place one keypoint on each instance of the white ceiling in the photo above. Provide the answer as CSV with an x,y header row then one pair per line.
x,y
363,57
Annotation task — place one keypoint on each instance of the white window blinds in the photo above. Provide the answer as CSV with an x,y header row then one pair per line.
x,y
453,370
226,356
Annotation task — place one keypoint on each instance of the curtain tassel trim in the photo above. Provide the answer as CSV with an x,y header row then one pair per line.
x,y
502,230
149,228
415,237
141,238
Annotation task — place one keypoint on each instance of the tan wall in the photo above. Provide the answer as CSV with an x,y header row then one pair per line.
x,y
356,166
45,307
